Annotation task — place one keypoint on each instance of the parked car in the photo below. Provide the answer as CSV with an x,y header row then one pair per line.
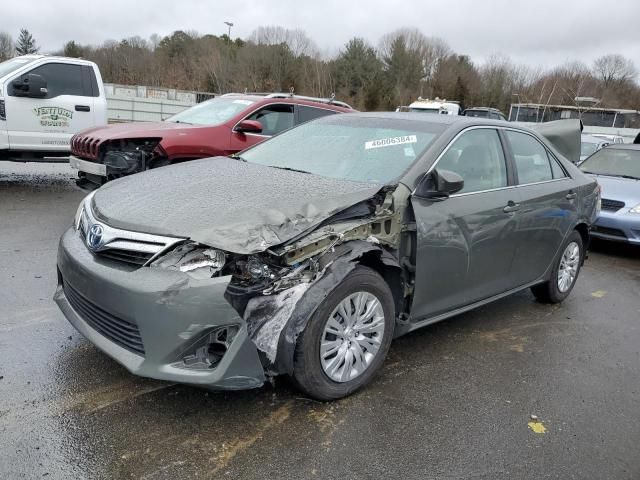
x,y
613,139
308,253
44,101
221,126
617,170
590,144
484,112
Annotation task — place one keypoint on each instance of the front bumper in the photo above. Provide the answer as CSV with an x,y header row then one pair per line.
x,y
92,168
620,226
170,311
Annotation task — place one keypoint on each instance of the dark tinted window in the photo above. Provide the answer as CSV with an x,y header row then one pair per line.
x,y
532,161
306,114
274,118
62,79
478,158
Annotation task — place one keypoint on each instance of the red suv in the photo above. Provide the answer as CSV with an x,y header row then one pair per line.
x,y
221,126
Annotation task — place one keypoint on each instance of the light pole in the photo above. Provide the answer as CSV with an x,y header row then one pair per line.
x,y
229,24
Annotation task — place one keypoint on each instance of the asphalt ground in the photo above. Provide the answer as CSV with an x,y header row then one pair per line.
x,y
454,400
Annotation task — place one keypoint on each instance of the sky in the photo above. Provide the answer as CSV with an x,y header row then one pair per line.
x,y
536,33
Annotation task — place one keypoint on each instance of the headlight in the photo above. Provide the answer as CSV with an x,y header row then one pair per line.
x,y
635,209
199,262
79,212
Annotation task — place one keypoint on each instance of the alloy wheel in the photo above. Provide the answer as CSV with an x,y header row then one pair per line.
x,y
568,269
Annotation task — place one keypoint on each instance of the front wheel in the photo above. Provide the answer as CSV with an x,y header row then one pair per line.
x,y
564,274
347,338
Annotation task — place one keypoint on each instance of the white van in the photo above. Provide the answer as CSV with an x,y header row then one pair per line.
x,y
437,105
44,101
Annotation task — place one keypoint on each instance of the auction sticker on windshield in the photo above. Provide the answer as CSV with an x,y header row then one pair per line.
x,y
391,141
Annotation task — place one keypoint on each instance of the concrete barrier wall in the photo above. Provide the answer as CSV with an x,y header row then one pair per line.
x,y
139,103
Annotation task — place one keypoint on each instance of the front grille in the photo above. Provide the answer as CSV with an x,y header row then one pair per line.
x,y
118,330
3,112
132,248
611,205
126,256
85,147
614,232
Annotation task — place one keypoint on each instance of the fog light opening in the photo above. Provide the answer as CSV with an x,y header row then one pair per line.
x,y
211,349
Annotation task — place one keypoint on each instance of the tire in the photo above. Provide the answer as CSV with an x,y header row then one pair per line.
x,y
309,374
553,290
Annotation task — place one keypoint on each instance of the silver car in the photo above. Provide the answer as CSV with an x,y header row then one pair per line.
x,y
306,254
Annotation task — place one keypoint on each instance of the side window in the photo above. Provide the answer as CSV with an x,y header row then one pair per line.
x,y
532,161
306,114
274,118
558,171
478,158
62,79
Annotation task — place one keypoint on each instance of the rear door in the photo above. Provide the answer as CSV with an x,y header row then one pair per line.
x,y
48,123
547,206
466,242
275,118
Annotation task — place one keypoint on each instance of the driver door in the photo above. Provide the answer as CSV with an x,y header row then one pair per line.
x,y
274,118
48,123
465,243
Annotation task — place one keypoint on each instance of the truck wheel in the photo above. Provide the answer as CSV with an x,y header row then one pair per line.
x,y
564,274
347,338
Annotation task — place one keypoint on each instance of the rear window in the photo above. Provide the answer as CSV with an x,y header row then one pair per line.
x,y
532,161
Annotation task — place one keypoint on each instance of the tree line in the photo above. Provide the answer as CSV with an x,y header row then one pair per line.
x,y
404,65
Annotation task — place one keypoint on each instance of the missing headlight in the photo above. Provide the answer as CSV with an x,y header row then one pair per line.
x,y
199,262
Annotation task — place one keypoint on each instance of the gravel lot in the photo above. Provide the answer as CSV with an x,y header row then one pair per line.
x,y
453,401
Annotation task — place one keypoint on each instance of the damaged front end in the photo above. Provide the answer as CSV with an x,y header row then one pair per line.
x,y
278,290
126,156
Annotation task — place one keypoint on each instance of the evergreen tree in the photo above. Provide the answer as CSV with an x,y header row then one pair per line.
x,y
26,44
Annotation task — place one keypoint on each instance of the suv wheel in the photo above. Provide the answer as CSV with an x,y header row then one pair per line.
x,y
347,338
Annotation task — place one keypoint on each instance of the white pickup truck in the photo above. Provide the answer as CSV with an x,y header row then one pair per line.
x,y
44,101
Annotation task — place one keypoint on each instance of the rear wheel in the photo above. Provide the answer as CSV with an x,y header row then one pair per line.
x,y
564,274
347,338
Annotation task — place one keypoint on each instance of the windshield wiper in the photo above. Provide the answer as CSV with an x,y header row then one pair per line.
x,y
181,121
628,176
290,169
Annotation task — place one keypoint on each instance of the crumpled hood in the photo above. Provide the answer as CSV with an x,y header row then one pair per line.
x,y
626,190
137,130
236,206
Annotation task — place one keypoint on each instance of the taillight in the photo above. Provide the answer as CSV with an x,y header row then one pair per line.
x,y
598,198
3,112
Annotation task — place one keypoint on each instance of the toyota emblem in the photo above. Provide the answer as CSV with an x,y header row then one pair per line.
x,y
94,238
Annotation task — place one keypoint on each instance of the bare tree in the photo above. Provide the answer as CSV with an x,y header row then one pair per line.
x,y
7,48
614,68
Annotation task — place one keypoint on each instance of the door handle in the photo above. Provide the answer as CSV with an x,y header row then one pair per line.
x,y
571,195
511,207
83,108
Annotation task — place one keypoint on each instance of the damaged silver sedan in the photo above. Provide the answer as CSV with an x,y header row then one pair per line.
x,y
308,253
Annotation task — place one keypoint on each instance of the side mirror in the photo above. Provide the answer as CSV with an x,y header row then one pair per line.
x,y
439,184
30,85
249,126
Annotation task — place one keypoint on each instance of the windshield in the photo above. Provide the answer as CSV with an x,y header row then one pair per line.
x,y
212,112
614,162
587,148
12,65
372,150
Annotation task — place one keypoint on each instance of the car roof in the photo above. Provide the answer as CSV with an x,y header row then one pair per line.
x,y
433,118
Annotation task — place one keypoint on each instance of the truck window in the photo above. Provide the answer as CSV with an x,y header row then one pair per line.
x,y
62,79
